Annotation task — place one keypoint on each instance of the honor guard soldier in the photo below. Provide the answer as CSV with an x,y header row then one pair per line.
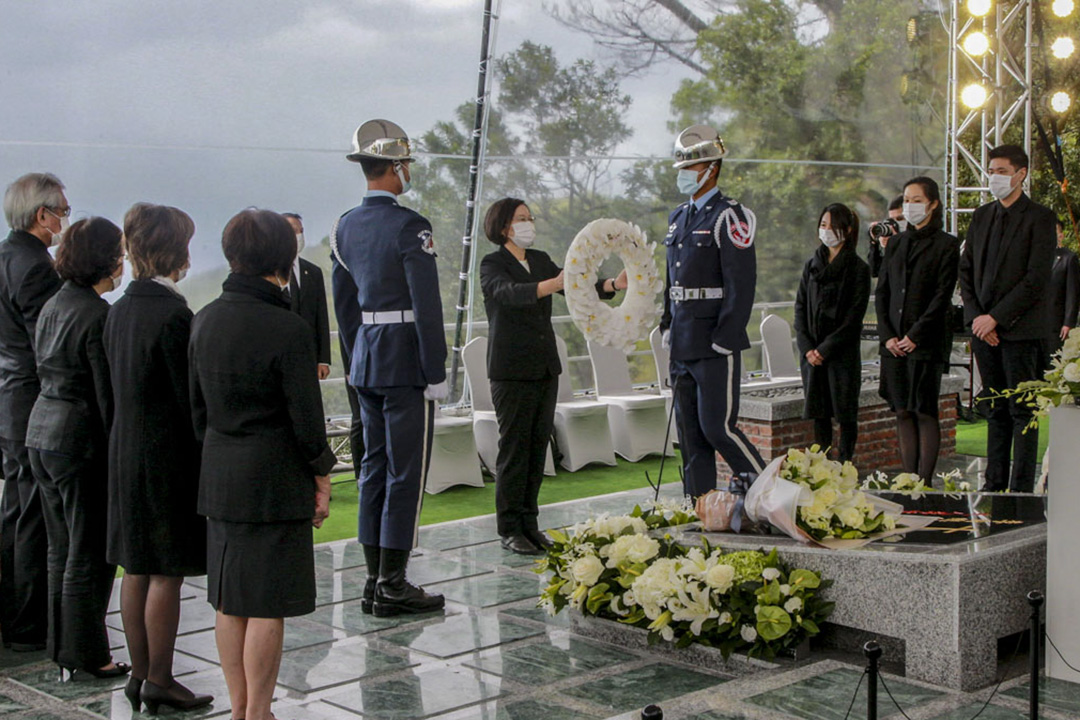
x,y
387,291
711,274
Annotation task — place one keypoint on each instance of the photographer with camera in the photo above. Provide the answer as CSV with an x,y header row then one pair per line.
x,y
880,232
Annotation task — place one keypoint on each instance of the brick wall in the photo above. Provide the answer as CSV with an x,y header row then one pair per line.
x,y
877,447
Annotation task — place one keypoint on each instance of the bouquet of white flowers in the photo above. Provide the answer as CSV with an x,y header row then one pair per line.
x,y
1060,384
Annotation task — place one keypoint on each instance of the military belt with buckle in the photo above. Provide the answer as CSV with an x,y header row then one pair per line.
x,y
684,293
387,317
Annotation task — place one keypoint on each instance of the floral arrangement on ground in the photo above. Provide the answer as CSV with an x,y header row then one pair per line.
x,y
1060,384
745,601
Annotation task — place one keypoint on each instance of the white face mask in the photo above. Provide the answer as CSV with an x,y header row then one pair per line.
x,y
299,243
183,273
406,185
1001,186
116,279
65,223
524,234
915,213
688,182
828,237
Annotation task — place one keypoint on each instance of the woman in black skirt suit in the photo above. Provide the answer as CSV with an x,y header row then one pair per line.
x,y
829,310
67,439
155,533
914,300
258,413
523,366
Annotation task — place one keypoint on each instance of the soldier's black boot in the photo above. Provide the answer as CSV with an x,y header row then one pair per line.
x,y
371,555
394,595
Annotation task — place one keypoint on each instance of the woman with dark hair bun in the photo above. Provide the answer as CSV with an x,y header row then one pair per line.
x,y
914,302
68,441
829,310
155,533
265,460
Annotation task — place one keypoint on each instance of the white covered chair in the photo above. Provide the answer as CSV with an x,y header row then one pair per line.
x,y
581,426
662,360
454,460
638,420
778,355
485,425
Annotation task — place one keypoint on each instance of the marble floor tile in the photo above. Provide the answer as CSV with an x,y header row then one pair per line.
x,y
46,679
511,709
198,582
116,707
340,555
349,617
827,696
492,553
299,632
420,695
992,712
454,535
440,567
495,589
9,705
461,634
547,662
322,666
643,686
1057,694
10,660
333,586
714,715
38,714
196,616
539,615
317,710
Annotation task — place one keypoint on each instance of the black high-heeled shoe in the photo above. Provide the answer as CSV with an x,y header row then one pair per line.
x,y
119,669
175,696
132,692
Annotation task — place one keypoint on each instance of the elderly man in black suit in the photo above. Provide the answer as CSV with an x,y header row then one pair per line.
x,y
307,297
37,213
1004,274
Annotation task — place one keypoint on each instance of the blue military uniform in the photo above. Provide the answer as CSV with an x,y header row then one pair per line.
x,y
711,275
386,293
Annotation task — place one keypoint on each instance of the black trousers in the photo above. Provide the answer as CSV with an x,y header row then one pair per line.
x,y
356,427
525,411
74,498
23,547
1002,367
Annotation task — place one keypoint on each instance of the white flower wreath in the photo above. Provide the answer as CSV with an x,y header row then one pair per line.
x,y
619,327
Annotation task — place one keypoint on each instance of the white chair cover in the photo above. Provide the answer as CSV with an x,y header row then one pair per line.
x,y
778,354
454,460
581,426
638,420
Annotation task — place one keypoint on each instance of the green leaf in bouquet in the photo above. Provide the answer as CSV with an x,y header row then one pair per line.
x,y
558,537
772,622
598,597
769,594
871,525
810,626
634,617
636,512
802,579
685,640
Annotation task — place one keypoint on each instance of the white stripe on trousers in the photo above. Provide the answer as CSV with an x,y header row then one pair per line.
x,y
428,404
727,420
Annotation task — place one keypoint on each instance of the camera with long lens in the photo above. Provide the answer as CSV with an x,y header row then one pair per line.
x,y
884,229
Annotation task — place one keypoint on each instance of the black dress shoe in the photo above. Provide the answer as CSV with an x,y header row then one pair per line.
x,y
521,545
540,539
175,696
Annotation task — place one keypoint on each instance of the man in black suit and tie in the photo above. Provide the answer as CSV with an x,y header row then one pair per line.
x,y
307,294
1004,274
1064,291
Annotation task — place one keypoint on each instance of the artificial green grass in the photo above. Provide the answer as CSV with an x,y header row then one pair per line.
x,y
971,437
461,501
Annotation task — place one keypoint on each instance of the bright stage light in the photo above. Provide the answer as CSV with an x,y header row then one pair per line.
x,y
973,96
1060,101
1062,48
976,43
978,8
1062,8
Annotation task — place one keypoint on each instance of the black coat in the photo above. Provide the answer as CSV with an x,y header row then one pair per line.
x,y
914,291
27,281
1064,291
73,412
521,341
256,406
829,309
154,528
1014,291
309,300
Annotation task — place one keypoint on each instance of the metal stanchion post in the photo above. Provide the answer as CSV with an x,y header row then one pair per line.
x,y
1035,599
873,653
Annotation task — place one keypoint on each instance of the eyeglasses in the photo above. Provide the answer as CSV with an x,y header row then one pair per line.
x,y
60,212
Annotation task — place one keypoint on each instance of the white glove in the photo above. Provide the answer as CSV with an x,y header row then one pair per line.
x,y
436,392
720,350
665,339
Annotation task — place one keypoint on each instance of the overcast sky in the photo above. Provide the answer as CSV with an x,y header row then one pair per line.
x,y
117,96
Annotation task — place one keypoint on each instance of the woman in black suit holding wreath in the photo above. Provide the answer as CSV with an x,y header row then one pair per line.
x,y
523,365
914,302
155,533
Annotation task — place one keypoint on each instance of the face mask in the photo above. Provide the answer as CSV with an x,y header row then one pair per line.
x,y
1001,186
828,237
915,213
524,234
183,273
299,242
65,223
688,181
115,279
405,184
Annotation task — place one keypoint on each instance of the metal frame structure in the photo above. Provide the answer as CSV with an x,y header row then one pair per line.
x,y
971,134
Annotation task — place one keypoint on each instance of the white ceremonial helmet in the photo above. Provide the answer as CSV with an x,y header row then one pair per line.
x,y
380,140
698,143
